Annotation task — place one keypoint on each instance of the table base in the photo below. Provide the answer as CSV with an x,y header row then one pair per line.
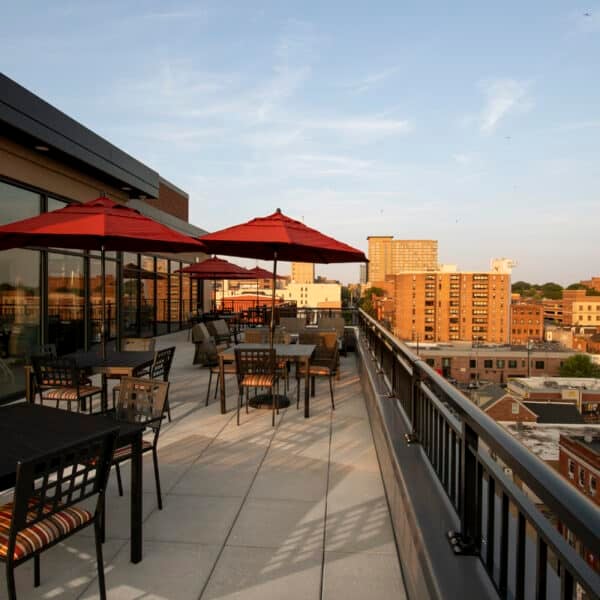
x,y
266,401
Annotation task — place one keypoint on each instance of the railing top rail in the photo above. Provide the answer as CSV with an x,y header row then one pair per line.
x,y
572,508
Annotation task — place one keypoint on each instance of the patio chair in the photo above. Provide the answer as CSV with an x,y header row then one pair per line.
x,y
220,331
206,352
59,380
138,344
228,369
256,369
292,324
161,368
338,324
45,509
324,362
143,400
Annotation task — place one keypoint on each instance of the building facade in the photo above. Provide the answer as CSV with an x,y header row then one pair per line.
x,y
388,256
314,295
526,322
48,160
451,306
303,272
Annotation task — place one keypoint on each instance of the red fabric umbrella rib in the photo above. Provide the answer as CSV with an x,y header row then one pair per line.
x,y
217,268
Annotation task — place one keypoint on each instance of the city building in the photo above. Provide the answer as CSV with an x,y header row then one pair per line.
x,y
363,274
47,160
526,322
303,272
477,363
450,305
388,256
593,283
314,295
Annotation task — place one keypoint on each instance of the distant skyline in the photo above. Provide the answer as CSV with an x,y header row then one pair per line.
x,y
471,123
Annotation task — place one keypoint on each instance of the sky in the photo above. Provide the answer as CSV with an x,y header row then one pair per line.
x,y
473,123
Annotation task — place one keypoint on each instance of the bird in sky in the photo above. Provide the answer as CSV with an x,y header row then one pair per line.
x,y
587,14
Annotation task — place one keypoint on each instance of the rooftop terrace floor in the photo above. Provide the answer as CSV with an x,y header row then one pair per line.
x,y
297,511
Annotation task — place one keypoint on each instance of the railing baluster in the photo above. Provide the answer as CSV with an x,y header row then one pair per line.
x,y
446,458
520,558
566,584
453,486
491,524
504,516
541,569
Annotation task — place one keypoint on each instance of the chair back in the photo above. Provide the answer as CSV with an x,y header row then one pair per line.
x,y
55,372
161,367
292,324
138,344
142,401
54,481
219,328
200,333
259,335
326,351
254,362
336,323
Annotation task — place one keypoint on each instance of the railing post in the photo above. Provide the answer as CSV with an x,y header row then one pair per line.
x,y
415,391
465,542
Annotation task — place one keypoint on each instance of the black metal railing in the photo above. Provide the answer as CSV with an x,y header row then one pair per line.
x,y
490,479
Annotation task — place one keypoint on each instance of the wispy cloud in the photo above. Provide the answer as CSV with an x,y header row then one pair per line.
x,y
364,127
190,13
372,80
503,97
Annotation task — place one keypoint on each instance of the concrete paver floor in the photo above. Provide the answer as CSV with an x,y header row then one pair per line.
x,y
297,511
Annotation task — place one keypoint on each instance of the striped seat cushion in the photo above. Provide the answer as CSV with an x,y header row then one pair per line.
x,y
42,533
124,452
258,380
70,393
315,370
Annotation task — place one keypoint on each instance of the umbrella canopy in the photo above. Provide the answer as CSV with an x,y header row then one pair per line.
x,y
277,237
94,225
217,268
292,241
260,273
100,224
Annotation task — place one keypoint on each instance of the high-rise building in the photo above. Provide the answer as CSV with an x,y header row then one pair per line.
x,y
526,322
449,305
388,256
363,277
303,272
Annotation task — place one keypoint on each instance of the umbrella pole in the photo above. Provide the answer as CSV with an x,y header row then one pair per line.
x,y
103,284
272,332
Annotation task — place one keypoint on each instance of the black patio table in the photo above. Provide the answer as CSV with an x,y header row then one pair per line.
x,y
27,430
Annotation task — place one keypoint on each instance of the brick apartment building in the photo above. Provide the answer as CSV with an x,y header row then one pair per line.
x,y
448,306
526,322
388,256
593,283
579,463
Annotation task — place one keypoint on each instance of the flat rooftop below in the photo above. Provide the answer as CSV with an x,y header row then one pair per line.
x,y
297,511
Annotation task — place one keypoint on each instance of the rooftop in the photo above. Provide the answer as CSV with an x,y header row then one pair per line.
x,y
295,511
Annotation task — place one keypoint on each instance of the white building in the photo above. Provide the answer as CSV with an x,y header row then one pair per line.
x,y
314,295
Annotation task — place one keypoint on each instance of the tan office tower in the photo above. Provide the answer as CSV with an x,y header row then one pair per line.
x,y
446,306
303,272
388,256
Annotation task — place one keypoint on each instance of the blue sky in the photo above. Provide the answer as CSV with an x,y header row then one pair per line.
x,y
473,123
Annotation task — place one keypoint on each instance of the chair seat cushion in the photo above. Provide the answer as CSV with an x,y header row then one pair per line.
x,y
124,452
71,393
41,534
316,370
258,380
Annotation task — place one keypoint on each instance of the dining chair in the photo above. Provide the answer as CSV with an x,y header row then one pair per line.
x,y
59,380
338,324
324,362
292,324
219,329
142,401
206,349
228,369
45,508
161,368
256,369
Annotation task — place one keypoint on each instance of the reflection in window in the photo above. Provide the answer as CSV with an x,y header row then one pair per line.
x,y
19,316
186,304
175,289
17,203
147,296
129,294
66,300
96,299
162,296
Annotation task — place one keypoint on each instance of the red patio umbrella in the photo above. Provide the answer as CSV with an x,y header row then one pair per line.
x,y
216,268
102,225
261,273
278,237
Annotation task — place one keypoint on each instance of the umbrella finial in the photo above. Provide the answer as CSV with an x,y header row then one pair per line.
x,y
278,211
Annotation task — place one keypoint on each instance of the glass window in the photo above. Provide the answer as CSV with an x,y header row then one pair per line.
x,y
571,466
187,306
66,302
147,296
19,316
512,364
96,299
539,364
500,364
175,295
592,486
515,408
488,364
162,296
17,203
581,477
129,294
54,204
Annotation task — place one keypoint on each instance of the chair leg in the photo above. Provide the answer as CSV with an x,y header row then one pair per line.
x,y
297,392
208,389
119,482
274,402
10,582
36,570
219,382
99,559
157,477
168,406
239,405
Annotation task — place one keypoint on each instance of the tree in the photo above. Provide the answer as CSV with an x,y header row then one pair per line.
x,y
552,290
366,301
579,365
